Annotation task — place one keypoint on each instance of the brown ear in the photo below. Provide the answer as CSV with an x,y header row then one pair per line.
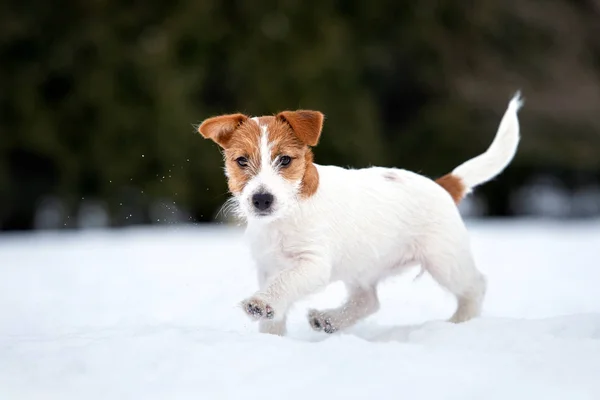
x,y
306,124
220,128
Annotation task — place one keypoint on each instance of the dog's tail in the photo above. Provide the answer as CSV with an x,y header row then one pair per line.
x,y
486,166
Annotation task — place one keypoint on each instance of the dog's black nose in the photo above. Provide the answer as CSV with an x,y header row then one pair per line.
x,y
262,201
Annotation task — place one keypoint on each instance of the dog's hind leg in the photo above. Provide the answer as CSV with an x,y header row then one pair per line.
x,y
453,268
361,302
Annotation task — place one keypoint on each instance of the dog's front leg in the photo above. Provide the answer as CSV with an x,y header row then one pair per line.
x,y
270,326
306,276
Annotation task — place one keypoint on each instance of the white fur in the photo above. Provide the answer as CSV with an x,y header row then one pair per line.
x,y
484,167
362,226
268,179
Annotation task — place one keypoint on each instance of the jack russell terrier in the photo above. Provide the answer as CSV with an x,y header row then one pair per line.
x,y
310,224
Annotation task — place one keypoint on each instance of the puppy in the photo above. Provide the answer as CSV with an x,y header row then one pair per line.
x,y
309,224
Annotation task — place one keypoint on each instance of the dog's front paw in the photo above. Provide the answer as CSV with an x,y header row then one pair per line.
x,y
320,321
258,308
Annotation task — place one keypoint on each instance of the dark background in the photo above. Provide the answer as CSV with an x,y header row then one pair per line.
x,y
98,98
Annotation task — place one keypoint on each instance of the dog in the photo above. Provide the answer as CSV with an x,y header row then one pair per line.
x,y
309,225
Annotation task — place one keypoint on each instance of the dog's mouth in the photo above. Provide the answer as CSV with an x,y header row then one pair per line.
x,y
263,214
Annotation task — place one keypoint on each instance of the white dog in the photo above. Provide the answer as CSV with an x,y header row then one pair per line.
x,y
311,224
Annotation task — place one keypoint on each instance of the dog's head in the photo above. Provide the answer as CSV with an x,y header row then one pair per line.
x,y
268,160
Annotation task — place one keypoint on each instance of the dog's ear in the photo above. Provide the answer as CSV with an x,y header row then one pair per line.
x,y
306,124
221,128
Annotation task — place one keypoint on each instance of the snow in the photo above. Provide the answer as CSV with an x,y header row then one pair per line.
x,y
152,314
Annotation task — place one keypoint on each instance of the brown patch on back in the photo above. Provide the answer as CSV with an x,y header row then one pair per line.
x,y
453,185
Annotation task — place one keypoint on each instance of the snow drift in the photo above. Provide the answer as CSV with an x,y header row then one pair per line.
x,y
152,314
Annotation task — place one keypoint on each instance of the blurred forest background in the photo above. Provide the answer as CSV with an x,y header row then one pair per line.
x,y
98,98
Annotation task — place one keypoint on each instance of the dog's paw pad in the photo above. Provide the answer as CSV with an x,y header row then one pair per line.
x,y
257,308
320,322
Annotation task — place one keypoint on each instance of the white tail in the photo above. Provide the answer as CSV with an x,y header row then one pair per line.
x,y
486,166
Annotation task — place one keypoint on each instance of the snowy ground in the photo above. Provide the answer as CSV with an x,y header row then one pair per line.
x,y
152,314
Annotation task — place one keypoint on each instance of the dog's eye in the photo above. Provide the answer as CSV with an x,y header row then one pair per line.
x,y
242,161
285,160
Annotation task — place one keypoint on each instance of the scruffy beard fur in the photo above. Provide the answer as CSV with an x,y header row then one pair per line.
x,y
310,225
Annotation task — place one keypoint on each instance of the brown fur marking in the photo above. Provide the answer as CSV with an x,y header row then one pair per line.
x,y
453,185
285,141
239,136
221,128
244,143
310,180
306,124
